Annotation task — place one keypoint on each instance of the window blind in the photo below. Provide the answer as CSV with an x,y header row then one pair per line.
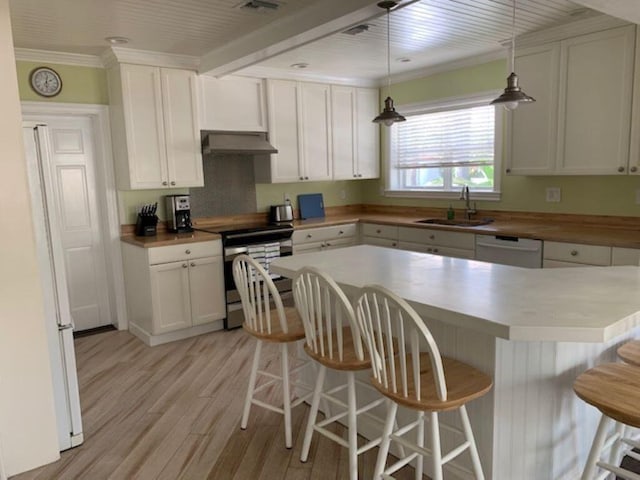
x,y
462,137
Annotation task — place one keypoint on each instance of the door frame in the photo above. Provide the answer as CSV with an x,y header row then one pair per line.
x,y
106,192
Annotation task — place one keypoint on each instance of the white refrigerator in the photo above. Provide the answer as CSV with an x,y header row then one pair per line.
x,y
59,323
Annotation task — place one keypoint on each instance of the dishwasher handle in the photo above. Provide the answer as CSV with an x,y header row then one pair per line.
x,y
508,247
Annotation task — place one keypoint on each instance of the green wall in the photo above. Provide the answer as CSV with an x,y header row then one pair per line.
x,y
79,84
595,195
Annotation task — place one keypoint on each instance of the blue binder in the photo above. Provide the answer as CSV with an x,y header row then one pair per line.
x,y
311,205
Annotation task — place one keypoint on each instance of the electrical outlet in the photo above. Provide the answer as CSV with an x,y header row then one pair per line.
x,y
553,194
343,194
287,198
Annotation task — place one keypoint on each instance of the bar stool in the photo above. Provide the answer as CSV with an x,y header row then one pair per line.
x,y
421,381
333,341
630,352
614,389
267,320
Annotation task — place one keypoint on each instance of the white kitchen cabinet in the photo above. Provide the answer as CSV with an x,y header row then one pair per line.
x,y
324,238
625,256
634,153
439,242
379,234
232,103
581,122
355,138
299,127
174,291
561,254
154,124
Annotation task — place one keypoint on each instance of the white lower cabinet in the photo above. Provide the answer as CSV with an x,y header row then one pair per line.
x,y
625,256
560,254
379,234
174,292
439,242
324,238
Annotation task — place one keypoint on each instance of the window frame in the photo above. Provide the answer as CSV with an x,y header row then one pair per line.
x,y
444,104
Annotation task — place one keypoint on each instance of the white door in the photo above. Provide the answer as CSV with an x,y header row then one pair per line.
x,y
71,172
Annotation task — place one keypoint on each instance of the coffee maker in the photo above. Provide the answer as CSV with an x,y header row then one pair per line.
x,y
178,213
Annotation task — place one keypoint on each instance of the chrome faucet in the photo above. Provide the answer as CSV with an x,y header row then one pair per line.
x,y
464,195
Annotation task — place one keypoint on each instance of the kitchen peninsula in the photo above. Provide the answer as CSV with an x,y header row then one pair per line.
x,y
532,330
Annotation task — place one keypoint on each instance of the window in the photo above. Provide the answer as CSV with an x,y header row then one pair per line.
x,y
445,146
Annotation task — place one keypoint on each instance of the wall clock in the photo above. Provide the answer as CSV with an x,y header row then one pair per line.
x,y
45,81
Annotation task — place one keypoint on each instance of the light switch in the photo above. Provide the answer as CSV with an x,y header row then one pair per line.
x,y
553,194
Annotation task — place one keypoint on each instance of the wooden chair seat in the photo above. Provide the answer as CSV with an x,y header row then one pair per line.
x,y
464,383
350,359
294,326
630,352
614,389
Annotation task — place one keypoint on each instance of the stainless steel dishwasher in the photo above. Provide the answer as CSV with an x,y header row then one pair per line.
x,y
519,252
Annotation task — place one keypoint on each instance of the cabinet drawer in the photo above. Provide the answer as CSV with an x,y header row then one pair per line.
x,y
184,251
625,256
320,234
379,231
381,242
437,237
577,253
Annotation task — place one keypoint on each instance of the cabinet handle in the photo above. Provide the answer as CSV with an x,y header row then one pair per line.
x,y
574,253
378,231
355,176
306,178
328,244
301,178
340,232
634,169
435,250
393,244
165,183
621,169
188,252
184,265
173,183
359,175
431,237
508,170
193,264
309,235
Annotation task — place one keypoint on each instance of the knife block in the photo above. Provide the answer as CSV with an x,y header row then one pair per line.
x,y
146,225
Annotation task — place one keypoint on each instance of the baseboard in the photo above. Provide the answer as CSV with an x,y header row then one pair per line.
x,y
153,340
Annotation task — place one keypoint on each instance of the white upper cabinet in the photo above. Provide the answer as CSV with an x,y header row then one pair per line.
x,y
355,136
634,154
232,103
299,127
580,123
154,123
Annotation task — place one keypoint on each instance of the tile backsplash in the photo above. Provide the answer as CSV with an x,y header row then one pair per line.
x,y
229,186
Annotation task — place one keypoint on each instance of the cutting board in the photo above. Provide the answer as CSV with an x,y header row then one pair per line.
x,y
311,205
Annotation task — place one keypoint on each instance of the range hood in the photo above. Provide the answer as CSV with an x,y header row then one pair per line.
x,y
236,142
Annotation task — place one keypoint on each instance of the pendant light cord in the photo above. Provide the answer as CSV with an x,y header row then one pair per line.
x,y
388,53
513,38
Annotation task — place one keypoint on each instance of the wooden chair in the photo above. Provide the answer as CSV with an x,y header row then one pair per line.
x,y
334,342
614,389
630,352
421,381
268,320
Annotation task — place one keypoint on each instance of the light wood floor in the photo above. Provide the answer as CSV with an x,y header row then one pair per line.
x,y
173,412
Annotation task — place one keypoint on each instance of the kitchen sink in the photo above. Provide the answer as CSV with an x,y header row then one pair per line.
x,y
457,223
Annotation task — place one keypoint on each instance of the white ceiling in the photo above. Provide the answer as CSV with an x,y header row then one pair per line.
x,y
428,32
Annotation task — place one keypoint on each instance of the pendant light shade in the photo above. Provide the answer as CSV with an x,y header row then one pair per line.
x,y
513,94
388,116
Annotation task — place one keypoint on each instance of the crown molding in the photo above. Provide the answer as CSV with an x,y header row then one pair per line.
x,y
60,58
115,55
284,74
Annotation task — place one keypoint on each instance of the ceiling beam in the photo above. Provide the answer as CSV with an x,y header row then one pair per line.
x,y
312,23
628,10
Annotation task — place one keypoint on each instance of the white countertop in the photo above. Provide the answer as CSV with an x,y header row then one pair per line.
x,y
589,304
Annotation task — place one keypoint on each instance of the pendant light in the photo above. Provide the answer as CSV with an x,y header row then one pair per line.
x,y
513,94
388,116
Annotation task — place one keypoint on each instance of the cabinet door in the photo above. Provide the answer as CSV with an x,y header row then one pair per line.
x,y
314,128
232,103
595,108
170,297
367,133
282,100
145,135
206,281
184,156
533,127
343,132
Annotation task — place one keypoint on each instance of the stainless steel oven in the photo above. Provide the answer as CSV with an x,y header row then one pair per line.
x,y
243,240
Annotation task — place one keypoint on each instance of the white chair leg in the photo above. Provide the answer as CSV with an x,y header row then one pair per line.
x,y
353,426
596,448
252,386
614,456
473,448
284,360
435,447
306,445
420,443
392,408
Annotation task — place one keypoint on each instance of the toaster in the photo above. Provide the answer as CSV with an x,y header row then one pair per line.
x,y
281,213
